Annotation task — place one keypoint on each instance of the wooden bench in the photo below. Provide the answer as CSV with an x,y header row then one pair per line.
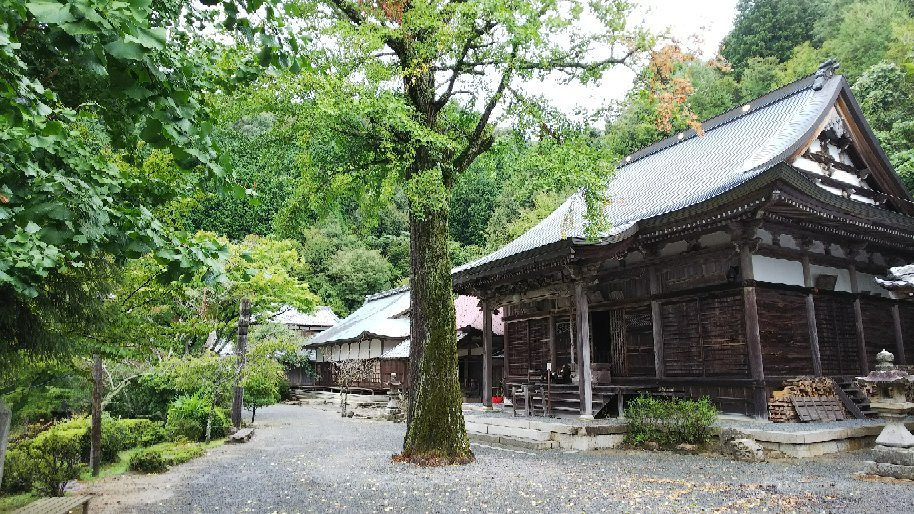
x,y
57,505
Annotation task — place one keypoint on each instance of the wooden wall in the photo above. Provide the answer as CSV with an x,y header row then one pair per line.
x,y
784,332
527,346
836,328
878,328
704,336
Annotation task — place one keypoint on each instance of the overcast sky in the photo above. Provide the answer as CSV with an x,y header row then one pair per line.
x,y
709,20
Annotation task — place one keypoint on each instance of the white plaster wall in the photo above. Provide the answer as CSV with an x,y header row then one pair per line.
x,y
779,271
674,248
765,236
375,348
713,239
787,241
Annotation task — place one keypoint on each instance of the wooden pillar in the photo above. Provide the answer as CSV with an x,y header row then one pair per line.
x,y
811,316
553,354
582,325
858,320
753,334
900,357
656,322
487,354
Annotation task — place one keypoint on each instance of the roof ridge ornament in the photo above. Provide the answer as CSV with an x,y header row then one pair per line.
x,y
826,71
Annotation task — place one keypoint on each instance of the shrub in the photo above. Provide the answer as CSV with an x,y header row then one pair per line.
x,y
670,422
158,458
55,459
187,418
148,460
17,470
141,432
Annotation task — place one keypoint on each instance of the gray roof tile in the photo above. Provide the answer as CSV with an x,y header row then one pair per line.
x,y
683,171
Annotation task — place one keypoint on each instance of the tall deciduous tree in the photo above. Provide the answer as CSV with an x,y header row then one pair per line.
x,y
427,82
769,28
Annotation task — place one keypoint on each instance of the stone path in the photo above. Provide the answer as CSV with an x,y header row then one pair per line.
x,y
303,459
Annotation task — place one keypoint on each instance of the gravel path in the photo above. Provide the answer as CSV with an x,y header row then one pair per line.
x,y
304,459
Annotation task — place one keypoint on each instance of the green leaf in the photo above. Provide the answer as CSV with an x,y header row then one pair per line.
x,y
31,228
50,12
125,50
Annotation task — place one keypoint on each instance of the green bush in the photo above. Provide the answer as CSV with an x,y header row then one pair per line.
x,y
670,422
17,470
142,432
187,419
159,457
55,459
148,460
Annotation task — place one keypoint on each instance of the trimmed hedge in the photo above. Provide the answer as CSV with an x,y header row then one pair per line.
x,y
148,460
670,422
160,457
42,462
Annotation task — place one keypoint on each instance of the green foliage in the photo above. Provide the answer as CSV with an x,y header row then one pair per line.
x,y
148,460
54,459
768,28
17,470
187,417
141,432
158,458
670,422
356,271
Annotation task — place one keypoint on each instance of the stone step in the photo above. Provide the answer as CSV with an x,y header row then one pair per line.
x,y
513,442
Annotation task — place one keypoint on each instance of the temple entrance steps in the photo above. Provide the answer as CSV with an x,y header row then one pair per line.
x,y
535,433
855,399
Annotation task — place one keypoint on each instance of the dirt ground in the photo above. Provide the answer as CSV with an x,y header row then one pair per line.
x,y
304,459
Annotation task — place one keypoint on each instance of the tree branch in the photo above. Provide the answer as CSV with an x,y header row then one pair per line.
x,y
477,143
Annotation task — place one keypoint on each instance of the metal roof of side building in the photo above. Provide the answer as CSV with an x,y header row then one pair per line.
x,y
323,316
385,315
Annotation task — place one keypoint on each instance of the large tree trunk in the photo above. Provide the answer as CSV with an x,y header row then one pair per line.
x,y
95,445
6,415
435,432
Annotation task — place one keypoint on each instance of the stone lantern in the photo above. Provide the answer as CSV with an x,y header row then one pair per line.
x,y
394,386
894,451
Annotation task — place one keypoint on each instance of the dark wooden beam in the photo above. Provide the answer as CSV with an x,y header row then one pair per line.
x,y
858,321
552,350
753,333
811,313
900,357
582,333
486,354
656,323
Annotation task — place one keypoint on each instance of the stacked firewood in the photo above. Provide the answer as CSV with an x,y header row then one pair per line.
x,y
781,409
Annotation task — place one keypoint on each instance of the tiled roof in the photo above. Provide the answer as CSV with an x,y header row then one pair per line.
x,y
322,316
375,318
687,169
401,351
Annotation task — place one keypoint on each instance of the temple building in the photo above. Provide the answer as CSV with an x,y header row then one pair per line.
x,y
755,252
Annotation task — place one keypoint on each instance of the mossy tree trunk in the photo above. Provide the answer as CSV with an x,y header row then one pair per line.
x,y
435,432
